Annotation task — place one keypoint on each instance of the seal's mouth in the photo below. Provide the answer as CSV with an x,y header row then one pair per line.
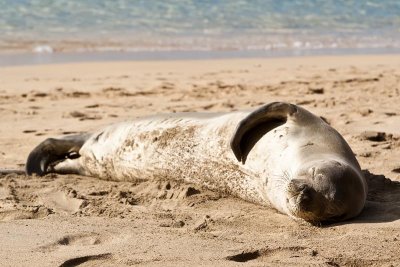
x,y
297,211
304,202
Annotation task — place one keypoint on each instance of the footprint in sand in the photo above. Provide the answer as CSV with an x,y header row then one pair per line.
x,y
12,208
272,255
76,240
82,242
91,260
59,201
28,213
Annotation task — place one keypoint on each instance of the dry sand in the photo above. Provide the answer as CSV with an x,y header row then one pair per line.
x,y
70,220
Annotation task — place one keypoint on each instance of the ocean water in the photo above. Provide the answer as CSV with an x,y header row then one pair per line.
x,y
48,26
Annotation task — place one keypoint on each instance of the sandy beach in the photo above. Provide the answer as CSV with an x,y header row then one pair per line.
x,y
69,220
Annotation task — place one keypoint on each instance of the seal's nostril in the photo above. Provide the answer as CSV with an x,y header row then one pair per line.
x,y
305,196
298,187
302,187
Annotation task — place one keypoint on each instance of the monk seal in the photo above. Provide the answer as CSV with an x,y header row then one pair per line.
x,y
280,154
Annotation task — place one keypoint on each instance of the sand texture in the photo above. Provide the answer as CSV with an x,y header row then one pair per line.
x,y
69,220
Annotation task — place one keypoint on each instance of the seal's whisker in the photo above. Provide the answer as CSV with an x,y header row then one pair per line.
x,y
281,180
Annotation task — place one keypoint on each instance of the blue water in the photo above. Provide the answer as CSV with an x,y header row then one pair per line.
x,y
198,25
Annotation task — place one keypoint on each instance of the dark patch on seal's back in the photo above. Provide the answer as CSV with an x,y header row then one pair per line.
x,y
174,134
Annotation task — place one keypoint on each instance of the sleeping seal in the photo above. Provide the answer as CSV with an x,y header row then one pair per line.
x,y
280,154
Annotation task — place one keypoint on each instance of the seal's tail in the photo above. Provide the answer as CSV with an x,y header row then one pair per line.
x,y
52,151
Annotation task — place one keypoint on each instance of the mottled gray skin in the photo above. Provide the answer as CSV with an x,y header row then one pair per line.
x,y
280,154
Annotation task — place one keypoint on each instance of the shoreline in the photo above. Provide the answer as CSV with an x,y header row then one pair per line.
x,y
31,58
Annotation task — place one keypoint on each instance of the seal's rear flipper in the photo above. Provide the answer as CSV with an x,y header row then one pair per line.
x,y
257,124
51,151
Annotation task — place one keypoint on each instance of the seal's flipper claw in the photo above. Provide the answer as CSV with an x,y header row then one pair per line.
x,y
52,151
39,158
257,124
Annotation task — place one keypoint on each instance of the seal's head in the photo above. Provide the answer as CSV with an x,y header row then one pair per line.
x,y
312,173
326,191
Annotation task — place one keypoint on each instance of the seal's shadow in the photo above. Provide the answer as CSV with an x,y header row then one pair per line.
x,y
383,200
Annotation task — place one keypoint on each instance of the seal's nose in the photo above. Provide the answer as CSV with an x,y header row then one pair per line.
x,y
306,198
304,194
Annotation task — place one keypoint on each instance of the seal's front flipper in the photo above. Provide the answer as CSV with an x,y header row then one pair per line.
x,y
257,124
52,151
